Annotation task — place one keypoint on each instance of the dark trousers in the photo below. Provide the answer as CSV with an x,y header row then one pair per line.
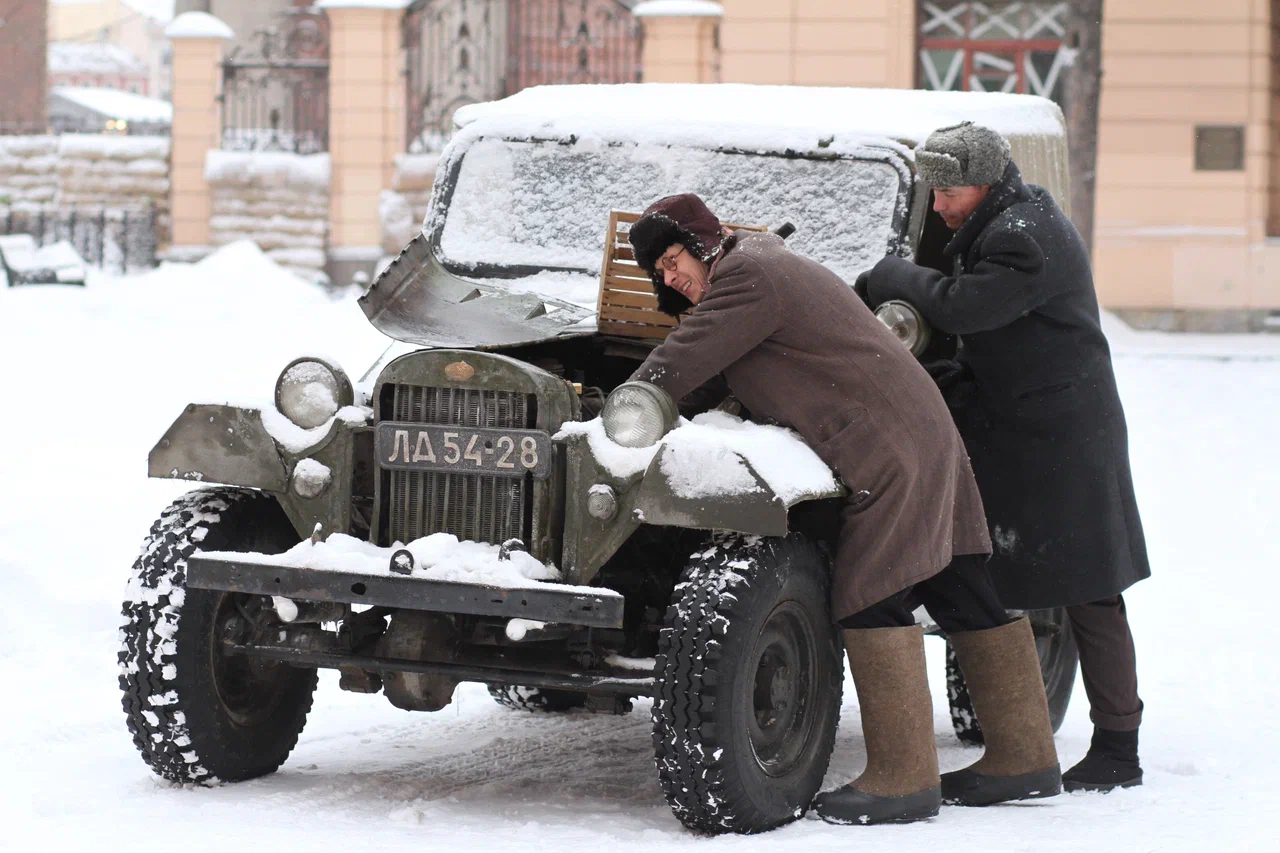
x,y
1107,663
958,598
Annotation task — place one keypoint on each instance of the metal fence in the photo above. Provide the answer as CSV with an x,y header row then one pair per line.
x,y
460,52
116,239
275,96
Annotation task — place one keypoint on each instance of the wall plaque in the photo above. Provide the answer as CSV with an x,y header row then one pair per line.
x,y
1219,148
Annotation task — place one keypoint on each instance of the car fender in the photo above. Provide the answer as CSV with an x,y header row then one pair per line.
x,y
212,443
649,497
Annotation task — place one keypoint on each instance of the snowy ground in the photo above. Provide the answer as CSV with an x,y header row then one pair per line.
x,y
90,378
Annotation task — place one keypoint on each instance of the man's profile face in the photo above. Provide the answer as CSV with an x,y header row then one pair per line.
x,y
683,272
956,204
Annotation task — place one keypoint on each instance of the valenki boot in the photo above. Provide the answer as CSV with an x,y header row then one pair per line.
x,y
900,783
1002,670
1112,762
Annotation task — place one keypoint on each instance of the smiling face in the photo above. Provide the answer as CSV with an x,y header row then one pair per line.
x,y
683,272
956,204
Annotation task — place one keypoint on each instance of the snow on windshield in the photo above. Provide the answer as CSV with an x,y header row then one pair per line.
x,y
547,204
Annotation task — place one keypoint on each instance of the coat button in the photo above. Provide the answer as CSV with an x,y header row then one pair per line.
x,y
860,496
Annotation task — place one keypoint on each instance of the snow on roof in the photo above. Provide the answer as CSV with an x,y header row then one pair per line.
x,y
776,118
198,25
92,57
678,9
114,103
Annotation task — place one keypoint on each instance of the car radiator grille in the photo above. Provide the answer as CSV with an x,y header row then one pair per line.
x,y
470,506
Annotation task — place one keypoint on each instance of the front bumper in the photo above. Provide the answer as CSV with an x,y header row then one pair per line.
x,y
545,602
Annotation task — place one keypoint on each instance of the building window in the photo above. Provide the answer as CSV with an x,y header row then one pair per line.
x,y
993,47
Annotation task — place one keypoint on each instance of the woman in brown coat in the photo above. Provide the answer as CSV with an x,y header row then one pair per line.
x,y
798,347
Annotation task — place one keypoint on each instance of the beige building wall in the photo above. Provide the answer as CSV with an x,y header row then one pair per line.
x,y
84,20
114,22
1170,236
680,49
819,42
1273,206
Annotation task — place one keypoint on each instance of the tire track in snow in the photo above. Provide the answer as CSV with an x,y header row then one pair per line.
x,y
530,764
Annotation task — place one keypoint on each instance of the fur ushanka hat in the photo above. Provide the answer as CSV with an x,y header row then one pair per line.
x,y
683,219
963,155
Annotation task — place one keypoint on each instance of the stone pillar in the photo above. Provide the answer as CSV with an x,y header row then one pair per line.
x,y
197,39
681,41
366,125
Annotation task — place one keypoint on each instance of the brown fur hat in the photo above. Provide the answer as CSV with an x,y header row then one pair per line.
x,y
683,219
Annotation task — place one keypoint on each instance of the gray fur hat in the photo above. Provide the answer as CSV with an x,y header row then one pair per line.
x,y
963,155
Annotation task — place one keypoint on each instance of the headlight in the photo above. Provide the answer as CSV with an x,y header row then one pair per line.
x,y
906,323
310,391
638,414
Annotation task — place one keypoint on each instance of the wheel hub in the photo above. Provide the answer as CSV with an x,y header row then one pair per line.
x,y
248,688
783,689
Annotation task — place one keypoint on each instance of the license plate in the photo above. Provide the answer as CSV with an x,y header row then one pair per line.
x,y
464,450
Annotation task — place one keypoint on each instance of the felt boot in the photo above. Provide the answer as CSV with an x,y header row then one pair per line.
x,y
900,783
1002,670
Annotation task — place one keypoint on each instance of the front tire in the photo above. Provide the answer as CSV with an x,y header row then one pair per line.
x,y
1058,659
748,684
197,715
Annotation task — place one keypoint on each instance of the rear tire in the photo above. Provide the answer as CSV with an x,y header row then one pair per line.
x,y
1059,657
748,684
536,700
197,715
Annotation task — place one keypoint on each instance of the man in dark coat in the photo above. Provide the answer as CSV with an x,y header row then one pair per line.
x,y
798,347
1035,399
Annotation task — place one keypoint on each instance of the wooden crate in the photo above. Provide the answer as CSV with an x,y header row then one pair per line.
x,y
627,305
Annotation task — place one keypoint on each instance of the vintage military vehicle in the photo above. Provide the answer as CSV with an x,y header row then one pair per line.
x,y
494,502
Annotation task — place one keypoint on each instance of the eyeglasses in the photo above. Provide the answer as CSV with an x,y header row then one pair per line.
x,y
668,262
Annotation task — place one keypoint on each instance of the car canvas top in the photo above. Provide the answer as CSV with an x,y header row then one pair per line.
x,y
802,119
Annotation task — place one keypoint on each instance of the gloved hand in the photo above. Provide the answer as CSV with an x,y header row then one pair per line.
x,y
862,285
954,380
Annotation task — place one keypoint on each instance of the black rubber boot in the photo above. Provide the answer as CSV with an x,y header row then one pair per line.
x,y
967,788
1112,762
851,807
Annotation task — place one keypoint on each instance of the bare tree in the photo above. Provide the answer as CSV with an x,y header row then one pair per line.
x,y
1081,90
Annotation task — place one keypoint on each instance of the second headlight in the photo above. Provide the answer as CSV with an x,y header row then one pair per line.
x,y
638,414
906,323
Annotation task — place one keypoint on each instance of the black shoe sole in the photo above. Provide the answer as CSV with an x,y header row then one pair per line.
x,y
966,788
849,807
1072,787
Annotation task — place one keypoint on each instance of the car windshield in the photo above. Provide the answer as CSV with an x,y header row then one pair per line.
x,y
546,204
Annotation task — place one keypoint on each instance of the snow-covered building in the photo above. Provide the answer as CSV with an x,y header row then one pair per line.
x,y
136,26
97,64
84,109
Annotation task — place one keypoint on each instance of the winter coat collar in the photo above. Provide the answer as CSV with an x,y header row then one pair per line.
x,y
1004,194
